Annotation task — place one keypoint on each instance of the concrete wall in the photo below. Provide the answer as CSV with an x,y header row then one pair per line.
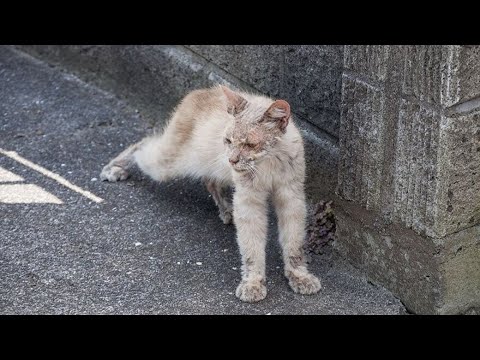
x,y
410,155
394,130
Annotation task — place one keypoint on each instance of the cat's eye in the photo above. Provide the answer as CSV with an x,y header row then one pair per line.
x,y
228,141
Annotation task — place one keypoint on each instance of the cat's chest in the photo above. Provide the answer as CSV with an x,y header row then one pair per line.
x,y
262,180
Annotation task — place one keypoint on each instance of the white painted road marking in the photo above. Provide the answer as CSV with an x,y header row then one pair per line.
x,y
21,193
13,155
7,176
26,194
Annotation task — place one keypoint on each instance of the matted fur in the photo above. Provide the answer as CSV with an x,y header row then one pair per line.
x,y
247,141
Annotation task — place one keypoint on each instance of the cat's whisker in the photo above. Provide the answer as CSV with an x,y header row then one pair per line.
x,y
252,170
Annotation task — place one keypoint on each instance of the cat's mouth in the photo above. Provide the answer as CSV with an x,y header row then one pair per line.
x,y
239,169
243,167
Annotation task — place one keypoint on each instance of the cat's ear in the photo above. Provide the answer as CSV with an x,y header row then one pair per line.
x,y
277,114
236,102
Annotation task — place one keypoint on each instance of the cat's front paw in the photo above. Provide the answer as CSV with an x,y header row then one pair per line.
x,y
303,282
113,173
251,291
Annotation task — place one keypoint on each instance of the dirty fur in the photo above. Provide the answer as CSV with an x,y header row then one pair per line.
x,y
249,142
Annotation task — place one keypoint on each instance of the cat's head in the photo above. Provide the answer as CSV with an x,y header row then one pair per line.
x,y
255,131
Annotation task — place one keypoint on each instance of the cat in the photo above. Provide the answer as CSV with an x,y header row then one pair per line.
x,y
232,138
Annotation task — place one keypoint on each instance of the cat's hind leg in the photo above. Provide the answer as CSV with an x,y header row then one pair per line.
x,y
220,197
117,168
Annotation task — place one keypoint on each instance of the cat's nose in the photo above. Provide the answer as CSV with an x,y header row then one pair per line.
x,y
233,161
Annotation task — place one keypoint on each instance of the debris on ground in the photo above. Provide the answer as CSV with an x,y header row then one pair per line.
x,y
321,230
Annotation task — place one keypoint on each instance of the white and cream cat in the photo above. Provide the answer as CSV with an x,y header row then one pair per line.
x,y
247,141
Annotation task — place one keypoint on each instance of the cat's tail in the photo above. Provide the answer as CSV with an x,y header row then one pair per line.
x,y
154,159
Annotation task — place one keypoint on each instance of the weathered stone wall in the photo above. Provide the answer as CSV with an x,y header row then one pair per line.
x,y
410,154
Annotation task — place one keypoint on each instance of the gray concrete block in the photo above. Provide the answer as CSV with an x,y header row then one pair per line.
x,y
437,171
459,181
429,277
313,83
261,66
321,154
423,71
417,167
367,60
434,189
462,75
361,143
385,253
327,54
460,271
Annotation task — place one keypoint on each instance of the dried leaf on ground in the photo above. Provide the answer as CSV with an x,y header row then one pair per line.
x,y
321,230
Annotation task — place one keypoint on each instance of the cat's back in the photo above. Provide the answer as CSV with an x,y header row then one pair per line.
x,y
194,112
200,104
